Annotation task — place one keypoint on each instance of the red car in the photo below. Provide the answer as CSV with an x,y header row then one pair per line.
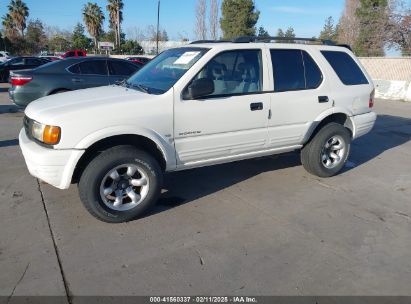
x,y
74,53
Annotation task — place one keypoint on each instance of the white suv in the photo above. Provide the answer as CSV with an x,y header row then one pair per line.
x,y
199,105
4,56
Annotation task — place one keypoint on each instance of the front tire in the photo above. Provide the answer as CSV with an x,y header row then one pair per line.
x,y
326,154
120,184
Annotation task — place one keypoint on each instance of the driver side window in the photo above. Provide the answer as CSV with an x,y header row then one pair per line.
x,y
234,72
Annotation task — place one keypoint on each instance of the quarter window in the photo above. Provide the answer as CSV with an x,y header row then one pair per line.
x,y
294,70
234,72
346,68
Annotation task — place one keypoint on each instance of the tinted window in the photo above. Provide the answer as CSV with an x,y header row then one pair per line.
x,y
1,55
121,68
313,76
346,68
288,70
234,72
71,54
75,69
34,61
95,67
294,70
80,54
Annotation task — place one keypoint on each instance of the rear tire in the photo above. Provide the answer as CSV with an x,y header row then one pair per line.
x,y
327,152
120,184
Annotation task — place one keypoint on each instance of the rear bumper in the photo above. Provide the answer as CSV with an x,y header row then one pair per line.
x,y
54,167
363,123
22,99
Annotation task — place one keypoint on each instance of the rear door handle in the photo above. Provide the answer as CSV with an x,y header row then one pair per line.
x,y
323,99
77,80
256,106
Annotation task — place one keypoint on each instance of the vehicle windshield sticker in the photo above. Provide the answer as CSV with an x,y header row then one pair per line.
x,y
186,58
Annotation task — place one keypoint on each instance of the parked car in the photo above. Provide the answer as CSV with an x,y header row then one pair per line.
x,y
19,63
74,53
67,75
4,56
199,105
139,59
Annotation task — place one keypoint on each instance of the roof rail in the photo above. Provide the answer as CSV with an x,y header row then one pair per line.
x,y
248,39
209,41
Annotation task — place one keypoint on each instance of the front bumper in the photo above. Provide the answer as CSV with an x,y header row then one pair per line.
x,y
363,123
54,167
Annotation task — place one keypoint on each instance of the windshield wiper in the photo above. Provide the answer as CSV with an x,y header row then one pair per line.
x,y
139,87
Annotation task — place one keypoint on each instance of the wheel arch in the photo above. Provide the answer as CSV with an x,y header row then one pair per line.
x,y
139,141
343,118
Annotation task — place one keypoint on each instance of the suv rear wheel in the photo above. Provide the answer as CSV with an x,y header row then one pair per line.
x,y
326,154
120,184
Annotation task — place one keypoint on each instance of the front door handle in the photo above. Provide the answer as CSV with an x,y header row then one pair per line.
x,y
323,99
256,106
77,80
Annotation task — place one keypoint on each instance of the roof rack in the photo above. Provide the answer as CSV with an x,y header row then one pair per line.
x,y
248,39
209,41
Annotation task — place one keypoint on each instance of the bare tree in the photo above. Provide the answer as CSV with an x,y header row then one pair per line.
x,y
399,28
135,33
348,28
213,19
201,27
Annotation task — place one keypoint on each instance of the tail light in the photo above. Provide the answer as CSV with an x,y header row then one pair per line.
x,y
20,80
371,101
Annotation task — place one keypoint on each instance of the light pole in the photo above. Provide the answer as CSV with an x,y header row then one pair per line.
x,y
158,23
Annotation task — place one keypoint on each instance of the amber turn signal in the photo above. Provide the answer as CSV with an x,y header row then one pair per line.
x,y
51,135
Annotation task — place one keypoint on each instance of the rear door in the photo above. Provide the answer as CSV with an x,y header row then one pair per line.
x,y
299,96
93,73
120,70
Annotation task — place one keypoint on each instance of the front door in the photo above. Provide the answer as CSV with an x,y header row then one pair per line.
x,y
230,121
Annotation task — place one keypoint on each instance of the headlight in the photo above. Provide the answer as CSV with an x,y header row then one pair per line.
x,y
47,134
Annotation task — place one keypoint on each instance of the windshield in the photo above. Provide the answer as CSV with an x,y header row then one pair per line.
x,y
161,73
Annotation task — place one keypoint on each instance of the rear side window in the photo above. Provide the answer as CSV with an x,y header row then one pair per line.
x,y
121,68
94,67
345,67
75,69
71,54
80,54
294,70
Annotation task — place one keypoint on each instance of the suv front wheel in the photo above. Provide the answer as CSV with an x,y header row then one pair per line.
x,y
327,152
120,184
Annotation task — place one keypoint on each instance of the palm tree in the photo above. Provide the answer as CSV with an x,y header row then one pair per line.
x,y
114,8
19,12
93,18
8,26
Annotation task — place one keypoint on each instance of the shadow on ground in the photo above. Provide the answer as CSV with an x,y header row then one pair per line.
x,y
8,143
186,186
4,109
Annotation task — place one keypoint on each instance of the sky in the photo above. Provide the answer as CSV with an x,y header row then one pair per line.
x,y
178,17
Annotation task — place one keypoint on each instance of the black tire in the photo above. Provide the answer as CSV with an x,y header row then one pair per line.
x,y
96,171
311,154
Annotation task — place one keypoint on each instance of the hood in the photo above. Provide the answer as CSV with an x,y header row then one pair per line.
x,y
50,108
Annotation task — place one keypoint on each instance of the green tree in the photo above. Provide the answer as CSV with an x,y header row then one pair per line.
x,y
35,37
114,8
373,19
131,47
280,33
262,33
19,12
58,43
329,31
79,39
9,26
239,18
93,18
289,33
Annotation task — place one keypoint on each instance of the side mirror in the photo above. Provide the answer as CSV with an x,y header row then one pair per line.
x,y
199,88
